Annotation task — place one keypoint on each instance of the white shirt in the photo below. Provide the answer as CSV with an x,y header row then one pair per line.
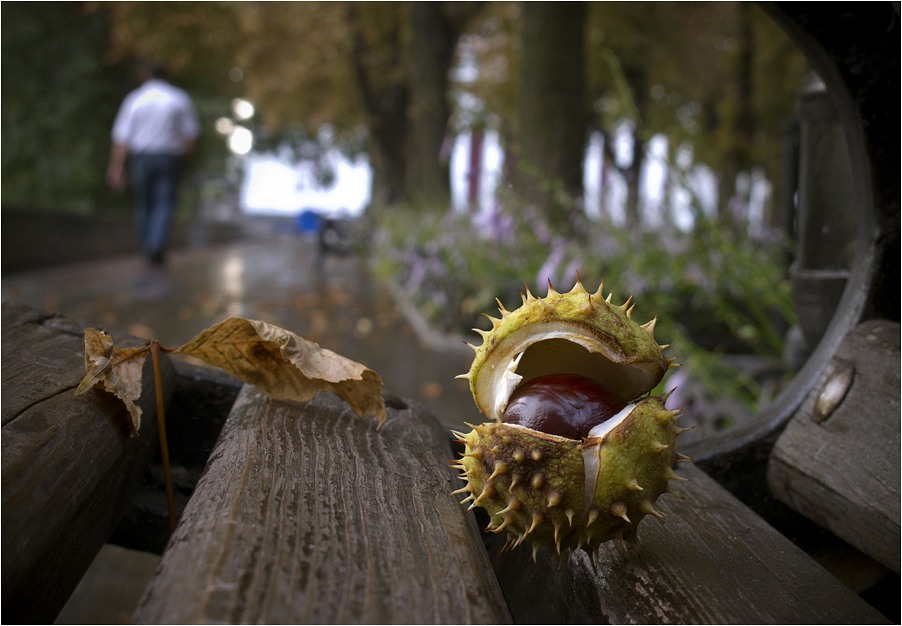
x,y
156,118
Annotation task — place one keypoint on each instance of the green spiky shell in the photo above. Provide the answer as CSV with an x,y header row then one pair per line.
x,y
582,333
552,490
571,494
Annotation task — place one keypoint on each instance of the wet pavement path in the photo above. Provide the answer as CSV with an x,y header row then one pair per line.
x,y
332,300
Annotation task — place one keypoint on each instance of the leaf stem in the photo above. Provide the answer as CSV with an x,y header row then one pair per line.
x,y
161,427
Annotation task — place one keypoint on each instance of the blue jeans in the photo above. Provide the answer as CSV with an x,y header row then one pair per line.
x,y
154,180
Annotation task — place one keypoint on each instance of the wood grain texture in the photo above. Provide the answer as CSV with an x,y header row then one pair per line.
x,y
712,562
42,356
69,466
844,471
307,513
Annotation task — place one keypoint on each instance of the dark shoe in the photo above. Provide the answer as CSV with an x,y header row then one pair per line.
x,y
157,259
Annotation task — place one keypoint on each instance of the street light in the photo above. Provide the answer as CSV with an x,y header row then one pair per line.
x,y
241,140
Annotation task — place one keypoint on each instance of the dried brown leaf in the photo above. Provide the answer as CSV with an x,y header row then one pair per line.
x,y
117,371
286,366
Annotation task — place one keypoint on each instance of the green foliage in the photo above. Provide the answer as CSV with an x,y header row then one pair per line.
x,y
449,271
59,100
720,77
65,72
714,291
717,78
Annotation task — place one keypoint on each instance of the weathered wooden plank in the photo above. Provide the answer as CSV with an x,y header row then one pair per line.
x,y
309,514
68,464
842,469
713,561
38,355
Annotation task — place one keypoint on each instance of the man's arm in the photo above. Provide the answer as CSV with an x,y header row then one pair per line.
x,y
115,172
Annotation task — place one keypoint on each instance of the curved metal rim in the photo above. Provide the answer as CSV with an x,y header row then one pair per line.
x,y
852,305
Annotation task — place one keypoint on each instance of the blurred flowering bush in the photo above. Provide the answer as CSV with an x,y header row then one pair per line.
x,y
721,296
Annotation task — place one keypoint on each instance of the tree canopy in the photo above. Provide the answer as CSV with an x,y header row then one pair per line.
x,y
718,77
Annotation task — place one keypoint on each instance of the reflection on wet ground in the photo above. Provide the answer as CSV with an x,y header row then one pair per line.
x,y
331,300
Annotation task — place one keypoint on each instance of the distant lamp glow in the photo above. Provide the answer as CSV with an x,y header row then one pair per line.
x,y
242,109
224,126
241,140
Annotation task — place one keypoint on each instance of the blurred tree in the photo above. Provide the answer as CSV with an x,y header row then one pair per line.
x,y
195,39
551,127
380,65
294,59
59,99
718,78
378,33
622,41
435,29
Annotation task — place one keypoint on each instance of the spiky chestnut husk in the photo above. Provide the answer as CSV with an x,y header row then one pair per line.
x,y
553,490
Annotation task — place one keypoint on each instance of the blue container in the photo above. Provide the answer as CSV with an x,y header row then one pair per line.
x,y
309,222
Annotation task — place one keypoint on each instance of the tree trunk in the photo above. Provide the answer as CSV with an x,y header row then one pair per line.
x,y
637,78
474,171
633,175
552,105
433,38
733,206
386,102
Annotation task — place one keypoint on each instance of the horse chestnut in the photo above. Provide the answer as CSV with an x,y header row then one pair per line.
x,y
566,405
541,466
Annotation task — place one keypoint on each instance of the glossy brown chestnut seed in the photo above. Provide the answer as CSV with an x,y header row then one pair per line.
x,y
566,405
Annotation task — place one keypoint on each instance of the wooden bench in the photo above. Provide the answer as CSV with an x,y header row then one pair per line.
x,y
837,461
69,466
306,513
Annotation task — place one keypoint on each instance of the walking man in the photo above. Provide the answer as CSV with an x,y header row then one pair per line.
x,y
155,128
